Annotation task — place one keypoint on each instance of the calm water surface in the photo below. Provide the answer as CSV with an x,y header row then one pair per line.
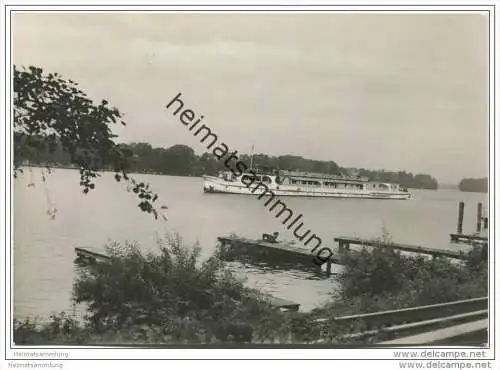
x,y
44,247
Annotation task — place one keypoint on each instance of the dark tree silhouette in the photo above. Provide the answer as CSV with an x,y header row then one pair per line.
x,y
474,185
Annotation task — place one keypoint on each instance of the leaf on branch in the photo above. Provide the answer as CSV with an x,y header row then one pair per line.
x,y
56,121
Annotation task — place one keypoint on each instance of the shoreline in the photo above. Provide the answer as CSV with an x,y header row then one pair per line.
x,y
147,172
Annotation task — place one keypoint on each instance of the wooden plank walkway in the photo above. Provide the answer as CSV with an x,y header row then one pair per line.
x,y
468,238
291,251
283,304
442,335
382,318
90,254
418,326
345,242
437,323
287,251
282,246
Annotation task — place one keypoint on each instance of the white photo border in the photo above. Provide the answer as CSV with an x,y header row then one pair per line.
x,y
207,353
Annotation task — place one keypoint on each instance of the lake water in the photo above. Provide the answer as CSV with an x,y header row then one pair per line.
x,y
44,247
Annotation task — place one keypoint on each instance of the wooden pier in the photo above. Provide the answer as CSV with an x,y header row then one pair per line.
x,y
256,245
90,255
283,304
468,238
345,242
479,237
291,252
278,253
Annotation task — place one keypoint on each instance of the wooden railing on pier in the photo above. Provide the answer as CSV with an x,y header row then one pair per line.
x,y
437,323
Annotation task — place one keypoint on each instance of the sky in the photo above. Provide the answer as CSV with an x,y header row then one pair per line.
x,y
369,90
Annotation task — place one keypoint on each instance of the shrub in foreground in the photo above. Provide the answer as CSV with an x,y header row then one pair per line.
x,y
171,294
383,279
166,297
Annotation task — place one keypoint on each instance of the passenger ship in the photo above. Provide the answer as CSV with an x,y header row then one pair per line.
x,y
305,184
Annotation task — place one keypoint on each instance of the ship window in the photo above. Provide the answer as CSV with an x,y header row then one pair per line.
x,y
247,178
304,182
266,180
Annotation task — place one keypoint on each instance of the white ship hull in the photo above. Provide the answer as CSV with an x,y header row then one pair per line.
x,y
217,185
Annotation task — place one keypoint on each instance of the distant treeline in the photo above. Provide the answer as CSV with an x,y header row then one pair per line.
x,y
181,160
475,185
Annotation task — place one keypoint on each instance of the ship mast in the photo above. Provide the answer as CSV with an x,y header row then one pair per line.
x,y
251,159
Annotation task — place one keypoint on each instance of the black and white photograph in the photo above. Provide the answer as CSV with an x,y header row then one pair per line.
x,y
254,182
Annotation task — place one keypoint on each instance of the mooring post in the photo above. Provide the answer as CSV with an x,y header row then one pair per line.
x,y
328,267
479,216
461,206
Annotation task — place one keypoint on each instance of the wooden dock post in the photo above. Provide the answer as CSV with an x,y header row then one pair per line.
x,y
328,267
461,206
479,216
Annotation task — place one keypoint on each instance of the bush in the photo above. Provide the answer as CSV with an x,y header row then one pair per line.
x,y
390,280
382,279
169,297
61,329
170,293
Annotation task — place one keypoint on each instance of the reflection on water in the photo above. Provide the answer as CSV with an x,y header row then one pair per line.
x,y
44,248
